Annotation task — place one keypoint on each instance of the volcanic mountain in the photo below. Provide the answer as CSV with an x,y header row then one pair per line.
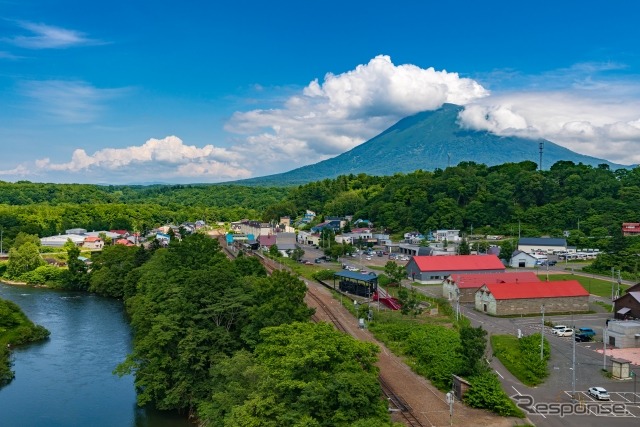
x,y
428,140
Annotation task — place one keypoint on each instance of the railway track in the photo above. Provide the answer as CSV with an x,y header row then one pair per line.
x,y
394,399
401,406
339,326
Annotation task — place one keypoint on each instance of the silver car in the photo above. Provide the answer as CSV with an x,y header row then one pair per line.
x,y
598,393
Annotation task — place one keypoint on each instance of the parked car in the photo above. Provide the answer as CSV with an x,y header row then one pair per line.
x,y
586,331
598,393
582,338
566,332
557,328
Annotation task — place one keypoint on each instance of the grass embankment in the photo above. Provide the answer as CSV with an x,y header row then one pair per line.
x,y
431,345
521,357
592,285
15,329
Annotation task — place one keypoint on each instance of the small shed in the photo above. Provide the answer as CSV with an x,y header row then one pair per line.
x,y
620,369
460,386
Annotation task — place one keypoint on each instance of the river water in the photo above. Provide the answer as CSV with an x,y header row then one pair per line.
x,y
67,380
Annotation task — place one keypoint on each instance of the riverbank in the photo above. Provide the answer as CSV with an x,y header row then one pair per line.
x,y
15,329
16,283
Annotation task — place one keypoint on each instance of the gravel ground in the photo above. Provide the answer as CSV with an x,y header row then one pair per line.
x,y
428,403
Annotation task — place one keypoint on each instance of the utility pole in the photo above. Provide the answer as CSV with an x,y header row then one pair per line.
x,y
542,335
573,373
604,348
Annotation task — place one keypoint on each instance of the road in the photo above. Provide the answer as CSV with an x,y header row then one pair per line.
x,y
559,391
558,388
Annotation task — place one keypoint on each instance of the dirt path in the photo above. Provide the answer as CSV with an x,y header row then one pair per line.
x,y
428,403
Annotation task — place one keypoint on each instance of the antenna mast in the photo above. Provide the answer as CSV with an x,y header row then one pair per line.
x,y
541,146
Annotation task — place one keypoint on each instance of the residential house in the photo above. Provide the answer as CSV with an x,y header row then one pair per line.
x,y
627,306
502,299
546,245
255,228
448,235
286,242
521,259
631,228
91,242
382,238
333,225
124,242
413,238
266,241
121,233
434,269
464,286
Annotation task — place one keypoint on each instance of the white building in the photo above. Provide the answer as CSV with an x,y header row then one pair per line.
x,y
448,235
59,240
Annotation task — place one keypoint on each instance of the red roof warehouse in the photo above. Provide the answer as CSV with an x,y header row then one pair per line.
x,y
434,269
466,285
567,296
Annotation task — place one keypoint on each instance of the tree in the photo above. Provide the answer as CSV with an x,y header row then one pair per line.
x,y
410,304
473,344
278,299
110,268
395,271
297,254
273,251
313,375
76,277
23,238
463,248
23,259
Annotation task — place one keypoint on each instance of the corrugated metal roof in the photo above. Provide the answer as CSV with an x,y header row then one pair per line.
x,y
464,281
458,263
542,241
356,276
564,288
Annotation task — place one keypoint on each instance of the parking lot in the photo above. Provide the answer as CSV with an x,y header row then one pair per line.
x,y
600,408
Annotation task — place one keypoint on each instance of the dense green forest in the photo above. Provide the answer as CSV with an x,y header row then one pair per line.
x,y
588,202
220,340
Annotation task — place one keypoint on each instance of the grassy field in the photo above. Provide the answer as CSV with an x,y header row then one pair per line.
x,y
592,285
520,357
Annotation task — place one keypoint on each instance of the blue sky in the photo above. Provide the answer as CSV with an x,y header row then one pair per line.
x,y
135,92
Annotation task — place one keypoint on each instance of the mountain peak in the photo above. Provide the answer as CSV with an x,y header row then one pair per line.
x,y
428,140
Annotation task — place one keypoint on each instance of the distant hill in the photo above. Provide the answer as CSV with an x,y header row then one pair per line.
x,y
428,140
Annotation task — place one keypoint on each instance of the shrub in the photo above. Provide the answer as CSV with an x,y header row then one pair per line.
x,y
486,393
325,274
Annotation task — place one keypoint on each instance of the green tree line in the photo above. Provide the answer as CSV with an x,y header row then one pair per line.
x,y
222,341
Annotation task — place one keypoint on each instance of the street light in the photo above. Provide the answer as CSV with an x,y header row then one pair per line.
x,y
542,334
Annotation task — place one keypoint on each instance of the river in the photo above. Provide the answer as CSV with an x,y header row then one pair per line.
x,y
67,380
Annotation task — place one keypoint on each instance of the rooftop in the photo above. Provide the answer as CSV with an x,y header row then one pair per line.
x,y
458,263
564,288
464,281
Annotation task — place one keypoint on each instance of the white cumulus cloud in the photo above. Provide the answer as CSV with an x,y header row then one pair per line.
x,y
330,117
603,123
169,155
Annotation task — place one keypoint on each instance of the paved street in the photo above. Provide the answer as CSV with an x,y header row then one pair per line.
x,y
558,387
